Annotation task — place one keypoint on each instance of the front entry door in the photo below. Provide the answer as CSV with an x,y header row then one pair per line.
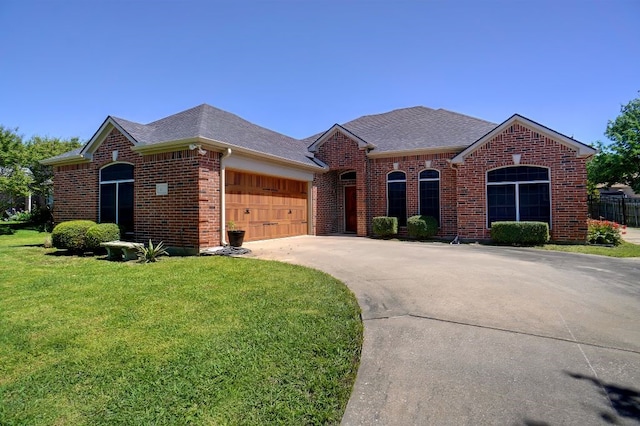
x,y
350,209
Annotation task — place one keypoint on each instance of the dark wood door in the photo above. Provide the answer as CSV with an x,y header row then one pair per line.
x,y
350,209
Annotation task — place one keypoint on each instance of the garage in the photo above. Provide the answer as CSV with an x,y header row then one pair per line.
x,y
266,206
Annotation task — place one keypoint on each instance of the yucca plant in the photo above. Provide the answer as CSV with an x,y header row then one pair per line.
x,y
151,253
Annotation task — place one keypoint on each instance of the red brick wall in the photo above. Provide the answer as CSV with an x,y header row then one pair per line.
x,y
209,200
341,154
567,173
412,165
188,216
75,192
75,187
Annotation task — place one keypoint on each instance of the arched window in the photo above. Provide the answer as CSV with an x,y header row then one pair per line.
x,y
116,195
350,175
429,181
397,197
520,193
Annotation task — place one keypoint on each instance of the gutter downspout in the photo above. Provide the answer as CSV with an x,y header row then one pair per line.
x,y
223,200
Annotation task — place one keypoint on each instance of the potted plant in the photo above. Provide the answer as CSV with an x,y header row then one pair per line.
x,y
236,236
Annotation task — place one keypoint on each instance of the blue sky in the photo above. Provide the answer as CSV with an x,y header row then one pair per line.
x,y
298,67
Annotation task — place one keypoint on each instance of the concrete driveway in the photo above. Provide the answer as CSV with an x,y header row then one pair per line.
x,y
469,334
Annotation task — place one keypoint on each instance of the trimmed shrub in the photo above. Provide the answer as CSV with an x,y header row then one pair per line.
x,y
385,226
71,235
6,230
520,233
101,233
42,219
603,232
422,226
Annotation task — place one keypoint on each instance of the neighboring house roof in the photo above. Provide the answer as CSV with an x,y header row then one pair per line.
x,y
582,150
411,129
204,123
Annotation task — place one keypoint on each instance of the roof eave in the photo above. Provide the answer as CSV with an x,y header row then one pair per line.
x,y
71,159
582,150
218,146
417,151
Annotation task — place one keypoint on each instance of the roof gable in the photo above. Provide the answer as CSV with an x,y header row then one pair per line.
x,y
204,125
99,136
362,144
582,150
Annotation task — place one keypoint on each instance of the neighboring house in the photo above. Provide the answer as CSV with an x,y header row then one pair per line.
x,y
182,178
25,203
618,189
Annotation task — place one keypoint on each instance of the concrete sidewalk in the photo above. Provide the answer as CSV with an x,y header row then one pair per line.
x,y
631,235
478,335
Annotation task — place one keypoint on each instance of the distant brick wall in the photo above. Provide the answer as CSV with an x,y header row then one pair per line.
x,y
188,216
568,182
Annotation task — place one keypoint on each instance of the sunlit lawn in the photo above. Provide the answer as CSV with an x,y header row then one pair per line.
x,y
623,250
186,340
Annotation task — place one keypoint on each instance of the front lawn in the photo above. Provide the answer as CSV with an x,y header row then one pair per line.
x,y
183,341
625,249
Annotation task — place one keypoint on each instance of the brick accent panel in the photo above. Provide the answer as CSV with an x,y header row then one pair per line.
x,y
341,154
188,216
567,173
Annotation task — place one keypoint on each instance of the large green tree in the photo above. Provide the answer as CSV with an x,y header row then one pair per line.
x,y
619,162
20,170
14,179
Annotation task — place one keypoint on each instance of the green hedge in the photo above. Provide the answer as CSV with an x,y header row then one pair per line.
x,y
385,226
422,226
71,235
520,233
101,233
6,230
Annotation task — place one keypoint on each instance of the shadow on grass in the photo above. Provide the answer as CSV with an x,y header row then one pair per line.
x,y
625,401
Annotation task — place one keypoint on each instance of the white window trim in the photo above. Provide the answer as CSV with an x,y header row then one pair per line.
x,y
517,194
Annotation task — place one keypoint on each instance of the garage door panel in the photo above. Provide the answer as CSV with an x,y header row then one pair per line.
x,y
265,206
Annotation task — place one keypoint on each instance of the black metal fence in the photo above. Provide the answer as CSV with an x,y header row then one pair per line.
x,y
625,211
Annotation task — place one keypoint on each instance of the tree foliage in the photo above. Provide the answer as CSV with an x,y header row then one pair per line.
x,y
14,181
619,162
39,148
20,170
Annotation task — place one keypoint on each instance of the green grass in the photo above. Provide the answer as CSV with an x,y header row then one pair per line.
x,y
623,250
206,340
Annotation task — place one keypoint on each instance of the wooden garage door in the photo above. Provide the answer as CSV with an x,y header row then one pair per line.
x,y
265,206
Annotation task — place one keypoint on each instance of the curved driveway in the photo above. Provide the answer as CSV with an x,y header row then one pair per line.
x,y
470,334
